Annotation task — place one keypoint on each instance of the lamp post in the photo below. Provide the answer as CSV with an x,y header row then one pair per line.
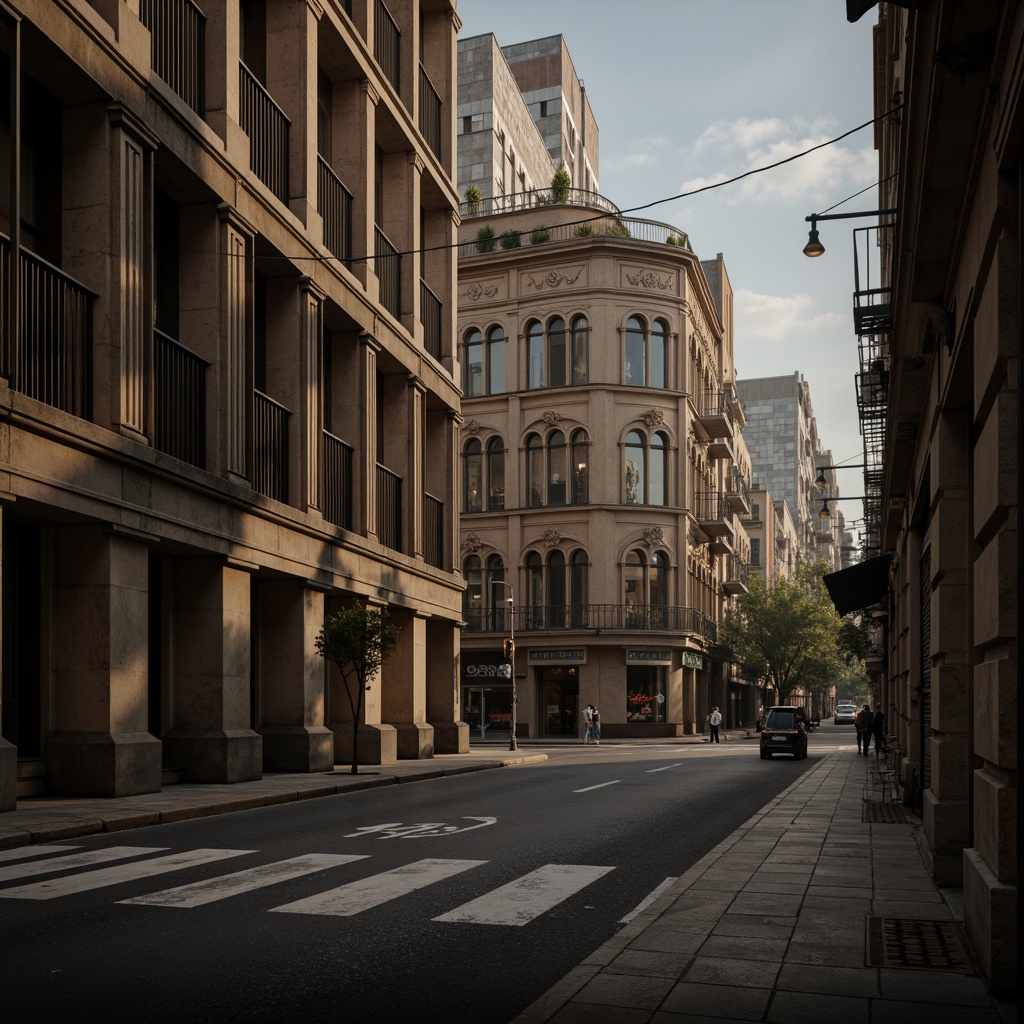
x,y
814,248
510,655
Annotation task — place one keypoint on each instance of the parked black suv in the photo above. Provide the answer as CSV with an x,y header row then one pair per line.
x,y
784,732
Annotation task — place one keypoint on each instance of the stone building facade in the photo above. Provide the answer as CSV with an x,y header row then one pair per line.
x,y
228,384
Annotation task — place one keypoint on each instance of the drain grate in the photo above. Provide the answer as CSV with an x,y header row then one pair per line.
x,y
917,945
886,813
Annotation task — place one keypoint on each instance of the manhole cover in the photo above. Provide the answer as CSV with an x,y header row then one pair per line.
x,y
917,945
887,813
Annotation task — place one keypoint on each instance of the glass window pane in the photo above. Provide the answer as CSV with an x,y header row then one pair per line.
x,y
472,596
496,362
556,353
634,469
579,468
636,372
659,337
557,468
657,582
634,582
534,471
535,354
495,473
659,488
473,475
580,350
578,589
474,356
556,590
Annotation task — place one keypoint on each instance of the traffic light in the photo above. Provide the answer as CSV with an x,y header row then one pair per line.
x,y
509,649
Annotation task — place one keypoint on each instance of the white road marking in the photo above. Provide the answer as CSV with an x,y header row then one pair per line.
x,y
356,897
115,875
21,852
526,898
198,894
75,860
600,785
648,899
651,771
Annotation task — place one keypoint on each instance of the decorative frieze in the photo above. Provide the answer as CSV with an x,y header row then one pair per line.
x,y
554,278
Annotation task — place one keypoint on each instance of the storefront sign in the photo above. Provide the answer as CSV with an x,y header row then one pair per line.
x,y
561,656
692,660
480,666
648,657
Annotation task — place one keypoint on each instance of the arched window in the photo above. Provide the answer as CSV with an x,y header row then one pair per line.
x,y
634,468
556,357
535,354
473,362
534,590
556,352
646,469
645,590
658,349
578,589
473,595
658,466
495,463
657,581
580,350
579,464
636,352
472,476
646,355
557,468
483,365
498,608
534,471
556,590
495,361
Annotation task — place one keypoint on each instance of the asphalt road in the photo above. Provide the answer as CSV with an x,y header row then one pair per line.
x,y
459,899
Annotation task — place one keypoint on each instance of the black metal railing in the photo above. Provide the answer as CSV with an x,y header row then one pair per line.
x,y
430,314
735,570
715,405
334,204
177,32
389,508
433,531
387,45
712,506
388,267
648,618
267,127
535,199
50,358
337,482
430,114
179,426
270,448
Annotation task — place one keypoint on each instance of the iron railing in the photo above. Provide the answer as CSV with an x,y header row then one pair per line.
x,y
430,114
177,32
535,199
561,617
388,267
270,448
389,508
433,531
387,45
179,427
337,482
712,506
267,127
334,204
50,358
430,314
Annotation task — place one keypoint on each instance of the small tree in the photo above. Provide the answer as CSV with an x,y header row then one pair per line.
x,y
561,183
359,640
473,199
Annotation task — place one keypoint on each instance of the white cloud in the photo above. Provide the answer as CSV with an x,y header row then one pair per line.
x,y
781,318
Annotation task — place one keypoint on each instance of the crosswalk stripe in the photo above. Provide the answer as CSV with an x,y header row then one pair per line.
x,y
114,875
356,897
22,852
198,894
528,897
74,860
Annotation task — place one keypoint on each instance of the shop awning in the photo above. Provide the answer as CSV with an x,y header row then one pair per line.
x,y
859,586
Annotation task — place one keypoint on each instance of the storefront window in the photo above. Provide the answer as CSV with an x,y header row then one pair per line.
x,y
645,694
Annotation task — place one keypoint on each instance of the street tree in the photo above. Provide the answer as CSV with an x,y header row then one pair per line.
x,y
787,634
359,640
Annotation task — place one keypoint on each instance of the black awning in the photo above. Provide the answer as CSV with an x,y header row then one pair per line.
x,y
859,586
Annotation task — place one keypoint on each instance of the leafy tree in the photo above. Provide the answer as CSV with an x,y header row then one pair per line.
x,y
359,640
788,634
561,183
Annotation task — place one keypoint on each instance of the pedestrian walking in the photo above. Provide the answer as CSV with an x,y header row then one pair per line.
x,y
595,724
878,730
862,723
714,720
588,723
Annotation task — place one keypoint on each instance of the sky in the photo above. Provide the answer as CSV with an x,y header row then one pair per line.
x,y
690,93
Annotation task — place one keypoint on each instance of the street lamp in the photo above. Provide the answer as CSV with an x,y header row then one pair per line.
x,y
509,650
814,248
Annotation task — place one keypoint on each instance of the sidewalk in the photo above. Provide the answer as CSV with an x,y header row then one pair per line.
x,y
817,908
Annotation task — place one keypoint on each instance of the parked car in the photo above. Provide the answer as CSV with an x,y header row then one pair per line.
x,y
845,714
784,732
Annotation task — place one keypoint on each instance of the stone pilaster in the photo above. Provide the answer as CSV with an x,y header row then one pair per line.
x,y
368,470
8,751
450,735
412,513
404,688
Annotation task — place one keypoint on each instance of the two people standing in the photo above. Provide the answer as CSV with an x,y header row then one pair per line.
x,y
591,724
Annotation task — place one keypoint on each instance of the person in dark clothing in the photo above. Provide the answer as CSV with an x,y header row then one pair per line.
x,y
862,723
878,730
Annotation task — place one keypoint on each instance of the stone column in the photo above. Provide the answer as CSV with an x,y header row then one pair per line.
x,y
292,679
404,688
309,408
443,642
211,739
222,67
354,136
8,751
412,513
100,745
368,470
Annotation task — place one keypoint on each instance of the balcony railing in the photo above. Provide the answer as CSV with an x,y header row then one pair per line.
x,y
50,360
180,403
714,413
267,127
430,313
645,618
388,267
177,31
387,45
389,508
334,204
433,531
430,114
337,482
734,578
535,199
270,448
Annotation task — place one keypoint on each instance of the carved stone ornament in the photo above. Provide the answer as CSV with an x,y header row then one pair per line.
x,y
476,290
472,427
551,417
653,417
554,278
654,536
649,279
551,537
472,542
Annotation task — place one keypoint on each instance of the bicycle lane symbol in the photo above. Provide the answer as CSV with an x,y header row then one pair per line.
x,y
420,830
